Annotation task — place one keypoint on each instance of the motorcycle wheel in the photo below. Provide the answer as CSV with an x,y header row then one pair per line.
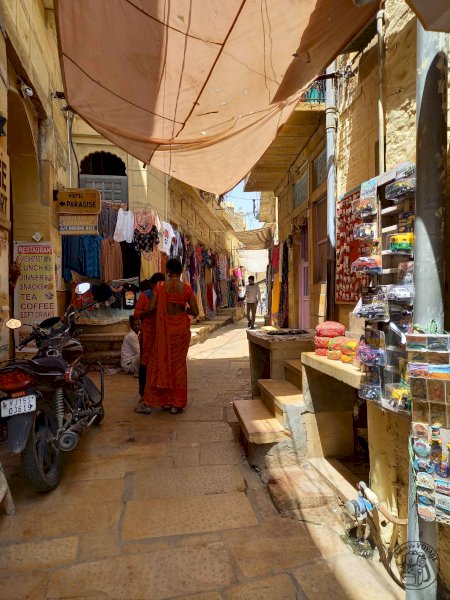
x,y
42,459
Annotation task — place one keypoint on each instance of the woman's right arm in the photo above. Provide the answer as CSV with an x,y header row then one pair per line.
x,y
193,308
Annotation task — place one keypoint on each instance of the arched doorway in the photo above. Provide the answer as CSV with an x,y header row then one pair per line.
x,y
107,173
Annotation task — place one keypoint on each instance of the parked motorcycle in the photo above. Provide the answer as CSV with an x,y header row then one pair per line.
x,y
48,401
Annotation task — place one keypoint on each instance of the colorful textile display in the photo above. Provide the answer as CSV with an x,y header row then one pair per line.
x,y
349,351
335,347
330,329
321,351
321,342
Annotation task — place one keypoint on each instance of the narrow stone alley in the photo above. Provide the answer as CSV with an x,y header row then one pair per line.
x,y
165,506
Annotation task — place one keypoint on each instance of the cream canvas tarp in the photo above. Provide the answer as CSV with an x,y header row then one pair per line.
x,y
256,239
433,14
254,261
197,88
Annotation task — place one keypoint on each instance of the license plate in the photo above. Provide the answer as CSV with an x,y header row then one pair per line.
x,y
18,406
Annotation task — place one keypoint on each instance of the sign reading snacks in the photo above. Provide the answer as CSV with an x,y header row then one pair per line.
x,y
78,201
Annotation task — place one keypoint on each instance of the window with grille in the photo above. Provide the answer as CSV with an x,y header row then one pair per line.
x,y
320,210
320,169
301,189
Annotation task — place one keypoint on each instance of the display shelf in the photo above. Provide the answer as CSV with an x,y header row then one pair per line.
x,y
390,271
386,407
392,210
396,254
390,229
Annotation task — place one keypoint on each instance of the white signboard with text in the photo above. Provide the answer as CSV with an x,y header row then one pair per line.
x,y
35,293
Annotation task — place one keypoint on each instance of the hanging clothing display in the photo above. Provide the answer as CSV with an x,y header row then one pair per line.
x,y
167,238
276,257
81,253
111,260
129,296
150,264
107,221
146,230
283,320
131,260
124,231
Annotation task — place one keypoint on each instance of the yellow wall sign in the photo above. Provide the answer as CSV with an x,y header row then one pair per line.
x,y
78,224
78,201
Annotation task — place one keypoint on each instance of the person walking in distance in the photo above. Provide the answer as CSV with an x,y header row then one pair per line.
x,y
253,298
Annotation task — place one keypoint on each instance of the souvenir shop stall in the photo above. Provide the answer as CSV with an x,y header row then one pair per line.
x,y
129,247
399,369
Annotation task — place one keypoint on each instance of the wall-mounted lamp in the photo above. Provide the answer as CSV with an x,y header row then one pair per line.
x,y
26,90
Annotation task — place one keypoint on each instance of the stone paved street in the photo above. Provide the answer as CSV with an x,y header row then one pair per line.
x,y
166,506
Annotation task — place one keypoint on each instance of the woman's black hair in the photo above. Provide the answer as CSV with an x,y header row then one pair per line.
x,y
156,278
174,266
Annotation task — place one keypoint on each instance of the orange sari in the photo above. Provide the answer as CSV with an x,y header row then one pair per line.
x,y
166,370
148,325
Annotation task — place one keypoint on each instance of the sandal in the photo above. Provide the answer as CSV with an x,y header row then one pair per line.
x,y
143,410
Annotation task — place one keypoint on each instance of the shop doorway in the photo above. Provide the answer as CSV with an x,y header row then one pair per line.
x,y
107,173
303,281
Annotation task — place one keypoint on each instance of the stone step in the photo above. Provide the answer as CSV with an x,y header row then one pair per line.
x,y
337,476
105,357
298,487
237,313
293,372
278,394
257,423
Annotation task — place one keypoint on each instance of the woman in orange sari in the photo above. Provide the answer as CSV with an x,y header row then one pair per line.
x,y
166,385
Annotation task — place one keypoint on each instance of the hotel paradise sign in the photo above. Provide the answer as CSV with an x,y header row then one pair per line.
x,y
78,201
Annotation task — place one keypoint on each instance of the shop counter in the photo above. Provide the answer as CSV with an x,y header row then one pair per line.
x,y
268,353
346,373
329,392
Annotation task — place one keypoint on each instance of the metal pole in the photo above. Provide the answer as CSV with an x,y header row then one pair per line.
x,y
330,126
69,117
431,170
431,160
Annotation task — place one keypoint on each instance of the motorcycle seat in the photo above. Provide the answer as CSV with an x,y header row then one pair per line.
x,y
49,364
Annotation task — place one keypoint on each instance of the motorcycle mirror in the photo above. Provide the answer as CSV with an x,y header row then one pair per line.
x,y
101,292
13,323
82,288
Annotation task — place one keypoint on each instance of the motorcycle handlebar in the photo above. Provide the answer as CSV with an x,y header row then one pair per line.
x,y
27,340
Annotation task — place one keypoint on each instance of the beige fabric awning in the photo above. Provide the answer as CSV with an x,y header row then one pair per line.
x,y
256,239
197,88
433,14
